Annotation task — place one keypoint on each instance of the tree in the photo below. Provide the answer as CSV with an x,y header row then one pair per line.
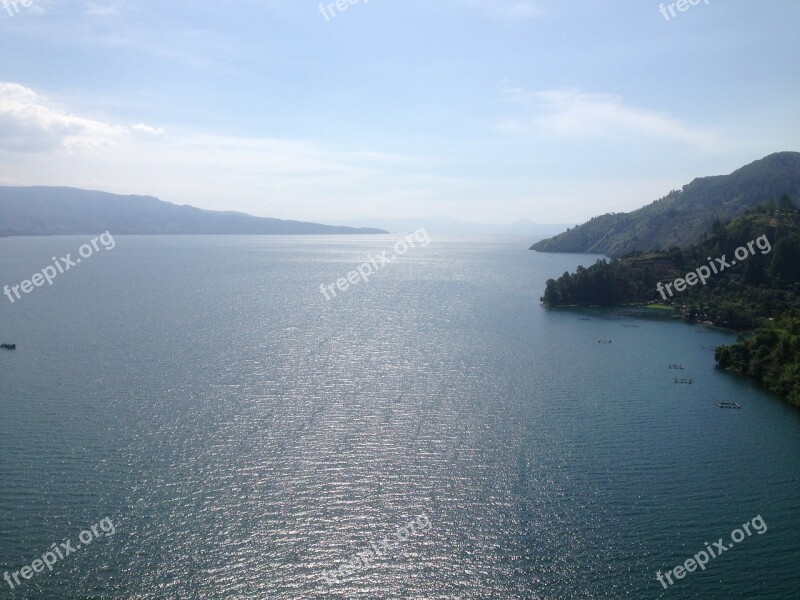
x,y
785,203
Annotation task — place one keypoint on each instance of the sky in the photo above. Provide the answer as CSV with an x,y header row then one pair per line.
x,y
482,110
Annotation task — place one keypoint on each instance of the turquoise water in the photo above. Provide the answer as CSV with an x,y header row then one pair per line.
x,y
246,436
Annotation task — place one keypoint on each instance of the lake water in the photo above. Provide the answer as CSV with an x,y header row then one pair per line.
x,y
246,437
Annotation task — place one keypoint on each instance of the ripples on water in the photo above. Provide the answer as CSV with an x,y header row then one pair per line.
x,y
246,435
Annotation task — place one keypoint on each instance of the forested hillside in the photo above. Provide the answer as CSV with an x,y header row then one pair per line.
x,y
682,217
760,292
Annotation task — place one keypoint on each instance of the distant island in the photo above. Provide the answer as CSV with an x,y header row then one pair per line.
x,y
72,211
744,275
683,216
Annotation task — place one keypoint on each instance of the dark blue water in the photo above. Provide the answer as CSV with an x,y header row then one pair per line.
x,y
246,436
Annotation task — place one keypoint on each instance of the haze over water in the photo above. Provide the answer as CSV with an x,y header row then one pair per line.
x,y
246,435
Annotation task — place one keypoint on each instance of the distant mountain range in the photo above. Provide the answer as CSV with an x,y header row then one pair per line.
x,y
71,211
439,225
683,217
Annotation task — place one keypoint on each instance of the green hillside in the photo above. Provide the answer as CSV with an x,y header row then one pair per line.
x,y
771,356
682,217
760,291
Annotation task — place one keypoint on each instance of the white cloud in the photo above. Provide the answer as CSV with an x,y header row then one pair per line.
x,y
29,123
96,9
565,113
42,143
141,127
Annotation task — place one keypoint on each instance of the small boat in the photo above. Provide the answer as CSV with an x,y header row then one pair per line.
x,y
8,346
728,405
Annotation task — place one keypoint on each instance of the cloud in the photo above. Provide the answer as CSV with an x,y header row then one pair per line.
x,y
141,127
29,123
572,114
42,143
95,9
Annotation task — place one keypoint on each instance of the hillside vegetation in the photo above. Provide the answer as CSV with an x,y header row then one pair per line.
x,y
683,217
760,292
771,356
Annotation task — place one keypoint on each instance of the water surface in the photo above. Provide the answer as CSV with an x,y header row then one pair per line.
x,y
245,435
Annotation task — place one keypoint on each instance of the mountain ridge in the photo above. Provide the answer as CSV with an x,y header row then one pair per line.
x,y
683,216
46,210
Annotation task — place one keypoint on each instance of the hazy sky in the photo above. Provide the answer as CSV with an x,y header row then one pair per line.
x,y
483,110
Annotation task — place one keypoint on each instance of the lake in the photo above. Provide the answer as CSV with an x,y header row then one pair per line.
x,y
434,431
